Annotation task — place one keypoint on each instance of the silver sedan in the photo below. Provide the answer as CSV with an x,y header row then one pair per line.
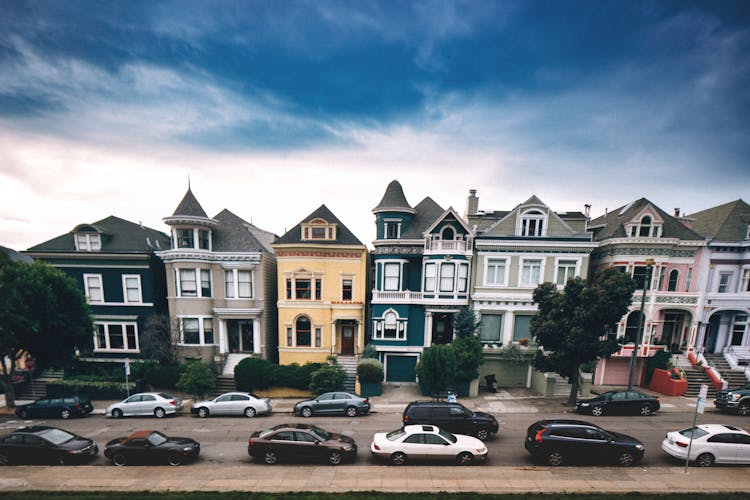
x,y
233,403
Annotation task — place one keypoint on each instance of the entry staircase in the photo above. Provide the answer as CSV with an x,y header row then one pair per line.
x,y
349,363
224,383
696,377
735,378
233,360
37,388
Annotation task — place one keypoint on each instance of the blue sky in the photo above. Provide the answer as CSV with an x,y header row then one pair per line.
x,y
272,108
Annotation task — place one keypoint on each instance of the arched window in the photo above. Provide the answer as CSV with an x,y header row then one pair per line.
x,y
390,325
302,327
448,233
674,274
645,226
532,223
632,326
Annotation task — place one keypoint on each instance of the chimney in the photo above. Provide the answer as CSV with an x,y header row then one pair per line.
x,y
587,210
472,203
677,212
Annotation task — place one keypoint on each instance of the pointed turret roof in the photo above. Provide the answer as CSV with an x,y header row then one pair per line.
x,y
343,235
189,206
727,222
393,200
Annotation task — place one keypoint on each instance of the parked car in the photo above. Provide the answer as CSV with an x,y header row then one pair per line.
x,y
558,442
45,445
427,442
59,407
346,403
233,403
737,399
157,404
453,417
148,447
619,403
301,442
712,443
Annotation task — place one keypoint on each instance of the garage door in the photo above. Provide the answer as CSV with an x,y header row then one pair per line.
x,y
400,368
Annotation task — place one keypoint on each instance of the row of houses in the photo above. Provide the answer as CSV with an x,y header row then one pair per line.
x,y
232,290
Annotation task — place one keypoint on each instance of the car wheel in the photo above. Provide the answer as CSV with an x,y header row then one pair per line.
x,y
465,458
646,410
704,460
335,458
116,413
23,414
203,412
250,412
597,411
554,458
625,459
351,412
4,460
175,459
64,414
159,413
306,411
744,409
119,460
482,434
270,457
398,458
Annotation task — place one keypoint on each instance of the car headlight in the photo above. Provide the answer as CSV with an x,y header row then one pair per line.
x,y
187,448
639,447
481,450
583,404
735,396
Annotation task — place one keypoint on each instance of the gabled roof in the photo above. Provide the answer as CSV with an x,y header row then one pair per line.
x,y
189,206
426,213
445,214
727,222
533,201
612,225
234,234
393,200
15,256
117,235
343,235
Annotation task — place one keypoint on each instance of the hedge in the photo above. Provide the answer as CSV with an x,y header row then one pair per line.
x,y
92,389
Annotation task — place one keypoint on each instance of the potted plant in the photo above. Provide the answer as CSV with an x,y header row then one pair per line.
x,y
370,374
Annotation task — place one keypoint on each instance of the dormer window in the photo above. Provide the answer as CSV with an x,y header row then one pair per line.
x,y
318,229
88,242
448,233
646,228
532,223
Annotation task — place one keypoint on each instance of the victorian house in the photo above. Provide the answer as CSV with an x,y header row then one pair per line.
x,y
114,263
322,276
664,258
515,251
221,282
421,269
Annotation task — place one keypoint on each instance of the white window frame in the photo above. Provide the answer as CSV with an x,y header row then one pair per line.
x,y
451,277
88,242
125,298
522,263
494,262
728,285
430,286
399,267
379,327
124,325
201,330
233,285
87,288
198,283
462,277
536,215
559,264
388,223
745,280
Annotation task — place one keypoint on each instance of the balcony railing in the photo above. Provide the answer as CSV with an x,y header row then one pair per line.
x,y
410,297
448,246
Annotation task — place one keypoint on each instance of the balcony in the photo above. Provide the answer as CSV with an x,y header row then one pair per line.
x,y
426,298
455,247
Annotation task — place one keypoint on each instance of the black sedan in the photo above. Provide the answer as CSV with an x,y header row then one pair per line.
x,y
619,403
45,445
344,403
61,407
301,442
561,442
151,448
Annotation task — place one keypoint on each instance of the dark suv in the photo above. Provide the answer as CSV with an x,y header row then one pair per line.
x,y
559,441
58,407
453,417
737,399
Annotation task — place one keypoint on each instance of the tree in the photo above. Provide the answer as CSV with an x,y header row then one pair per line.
x,y
436,368
465,322
160,339
467,346
198,379
45,315
572,325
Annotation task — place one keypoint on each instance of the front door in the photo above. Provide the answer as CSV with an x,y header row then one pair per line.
x,y
240,335
442,328
347,339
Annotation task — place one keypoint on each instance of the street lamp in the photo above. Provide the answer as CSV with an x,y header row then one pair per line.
x,y
641,321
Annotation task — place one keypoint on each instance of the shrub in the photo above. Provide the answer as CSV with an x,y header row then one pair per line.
x,y
253,373
468,352
370,371
198,379
465,322
436,368
369,352
92,389
328,378
161,376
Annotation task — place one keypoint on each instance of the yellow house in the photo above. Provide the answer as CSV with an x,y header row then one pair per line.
x,y
322,275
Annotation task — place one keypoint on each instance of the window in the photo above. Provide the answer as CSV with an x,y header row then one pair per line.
x,y
688,279
392,276
660,281
724,281
430,272
463,276
346,289
390,327
318,336
239,284
447,275
642,276
197,331
532,223
448,233
318,289
632,327
88,242
93,286
491,327
289,337
302,289
205,283
495,273
521,326
303,331
203,239
208,331
289,289
674,274
188,286
131,284
185,238
531,270
566,269
645,229
745,280
318,229
116,336
229,284
392,230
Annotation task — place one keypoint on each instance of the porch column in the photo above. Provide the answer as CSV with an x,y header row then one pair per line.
x,y
333,337
427,329
508,317
222,336
359,346
257,347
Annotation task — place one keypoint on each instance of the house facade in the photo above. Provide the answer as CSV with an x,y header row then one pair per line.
x,y
221,285
115,264
321,283
421,262
664,257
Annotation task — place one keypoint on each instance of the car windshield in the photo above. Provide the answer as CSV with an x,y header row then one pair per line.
x,y
56,436
394,435
323,435
693,432
447,435
157,438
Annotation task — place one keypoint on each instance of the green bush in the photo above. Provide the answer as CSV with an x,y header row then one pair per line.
x,y
156,375
468,351
91,389
198,379
369,352
436,368
370,371
253,373
328,378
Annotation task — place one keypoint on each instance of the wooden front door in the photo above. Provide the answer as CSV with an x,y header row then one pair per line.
x,y
347,339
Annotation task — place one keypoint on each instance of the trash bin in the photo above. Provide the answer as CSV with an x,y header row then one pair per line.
x,y
491,382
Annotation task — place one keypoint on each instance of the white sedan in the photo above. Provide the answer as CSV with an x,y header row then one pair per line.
x,y
233,403
157,404
712,443
427,442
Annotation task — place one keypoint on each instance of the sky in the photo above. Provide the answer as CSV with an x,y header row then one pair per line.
x,y
272,108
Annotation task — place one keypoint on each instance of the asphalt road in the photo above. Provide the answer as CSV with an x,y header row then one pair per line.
x,y
224,439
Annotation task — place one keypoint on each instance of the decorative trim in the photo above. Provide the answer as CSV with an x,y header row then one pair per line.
x,y
319,253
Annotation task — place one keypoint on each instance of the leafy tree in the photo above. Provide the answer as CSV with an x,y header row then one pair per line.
x,y
329,377
465,322
160,339
467,346
198,379
436,368
43,314
572,324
